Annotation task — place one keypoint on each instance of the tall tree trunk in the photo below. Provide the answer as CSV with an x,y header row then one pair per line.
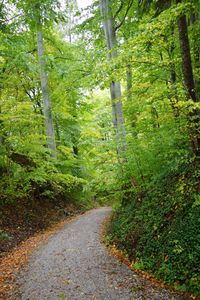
x,y
45,94
189,81
128,82
115,88
186,56
72,6
196,36
174,95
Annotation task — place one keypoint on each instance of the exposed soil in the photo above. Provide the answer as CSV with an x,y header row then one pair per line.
x,y
74,264
22,220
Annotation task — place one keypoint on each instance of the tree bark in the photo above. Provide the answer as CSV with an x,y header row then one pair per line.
x,y
196,36
189,81
45,95
71,7
115,87
174,95
128,81
186,57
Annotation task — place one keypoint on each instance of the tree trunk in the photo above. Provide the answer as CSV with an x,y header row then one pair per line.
x,y
189,81
174,95
72,6
45,95
196,36
186,57
115,88
128,82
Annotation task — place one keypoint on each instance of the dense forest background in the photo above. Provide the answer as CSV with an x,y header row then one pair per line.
x,y
101,106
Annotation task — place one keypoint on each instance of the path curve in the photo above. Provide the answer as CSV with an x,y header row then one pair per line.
x,y
74,265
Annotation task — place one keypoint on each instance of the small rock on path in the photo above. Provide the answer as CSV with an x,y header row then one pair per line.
x,y
74,265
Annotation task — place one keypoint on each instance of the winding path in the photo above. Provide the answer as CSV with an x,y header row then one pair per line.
x,y
74,265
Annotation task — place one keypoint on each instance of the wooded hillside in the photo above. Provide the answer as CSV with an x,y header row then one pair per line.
x,y
100,105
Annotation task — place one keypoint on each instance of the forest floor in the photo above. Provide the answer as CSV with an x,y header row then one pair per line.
x,y
21,220
26,233
74,264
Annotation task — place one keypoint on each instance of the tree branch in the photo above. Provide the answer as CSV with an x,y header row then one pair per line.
x,y
125,15
67,58
119,9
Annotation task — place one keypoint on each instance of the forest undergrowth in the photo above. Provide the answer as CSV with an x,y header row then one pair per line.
x,y
159,228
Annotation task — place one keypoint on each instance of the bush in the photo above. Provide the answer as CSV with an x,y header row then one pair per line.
x,y
41,182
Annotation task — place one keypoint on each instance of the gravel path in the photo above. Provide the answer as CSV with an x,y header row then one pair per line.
x,y
74,265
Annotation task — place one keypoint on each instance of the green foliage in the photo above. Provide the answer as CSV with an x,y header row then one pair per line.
x,y
154,187
26,168
160,231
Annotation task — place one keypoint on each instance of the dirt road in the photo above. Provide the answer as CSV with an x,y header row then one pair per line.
x,y
73,264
